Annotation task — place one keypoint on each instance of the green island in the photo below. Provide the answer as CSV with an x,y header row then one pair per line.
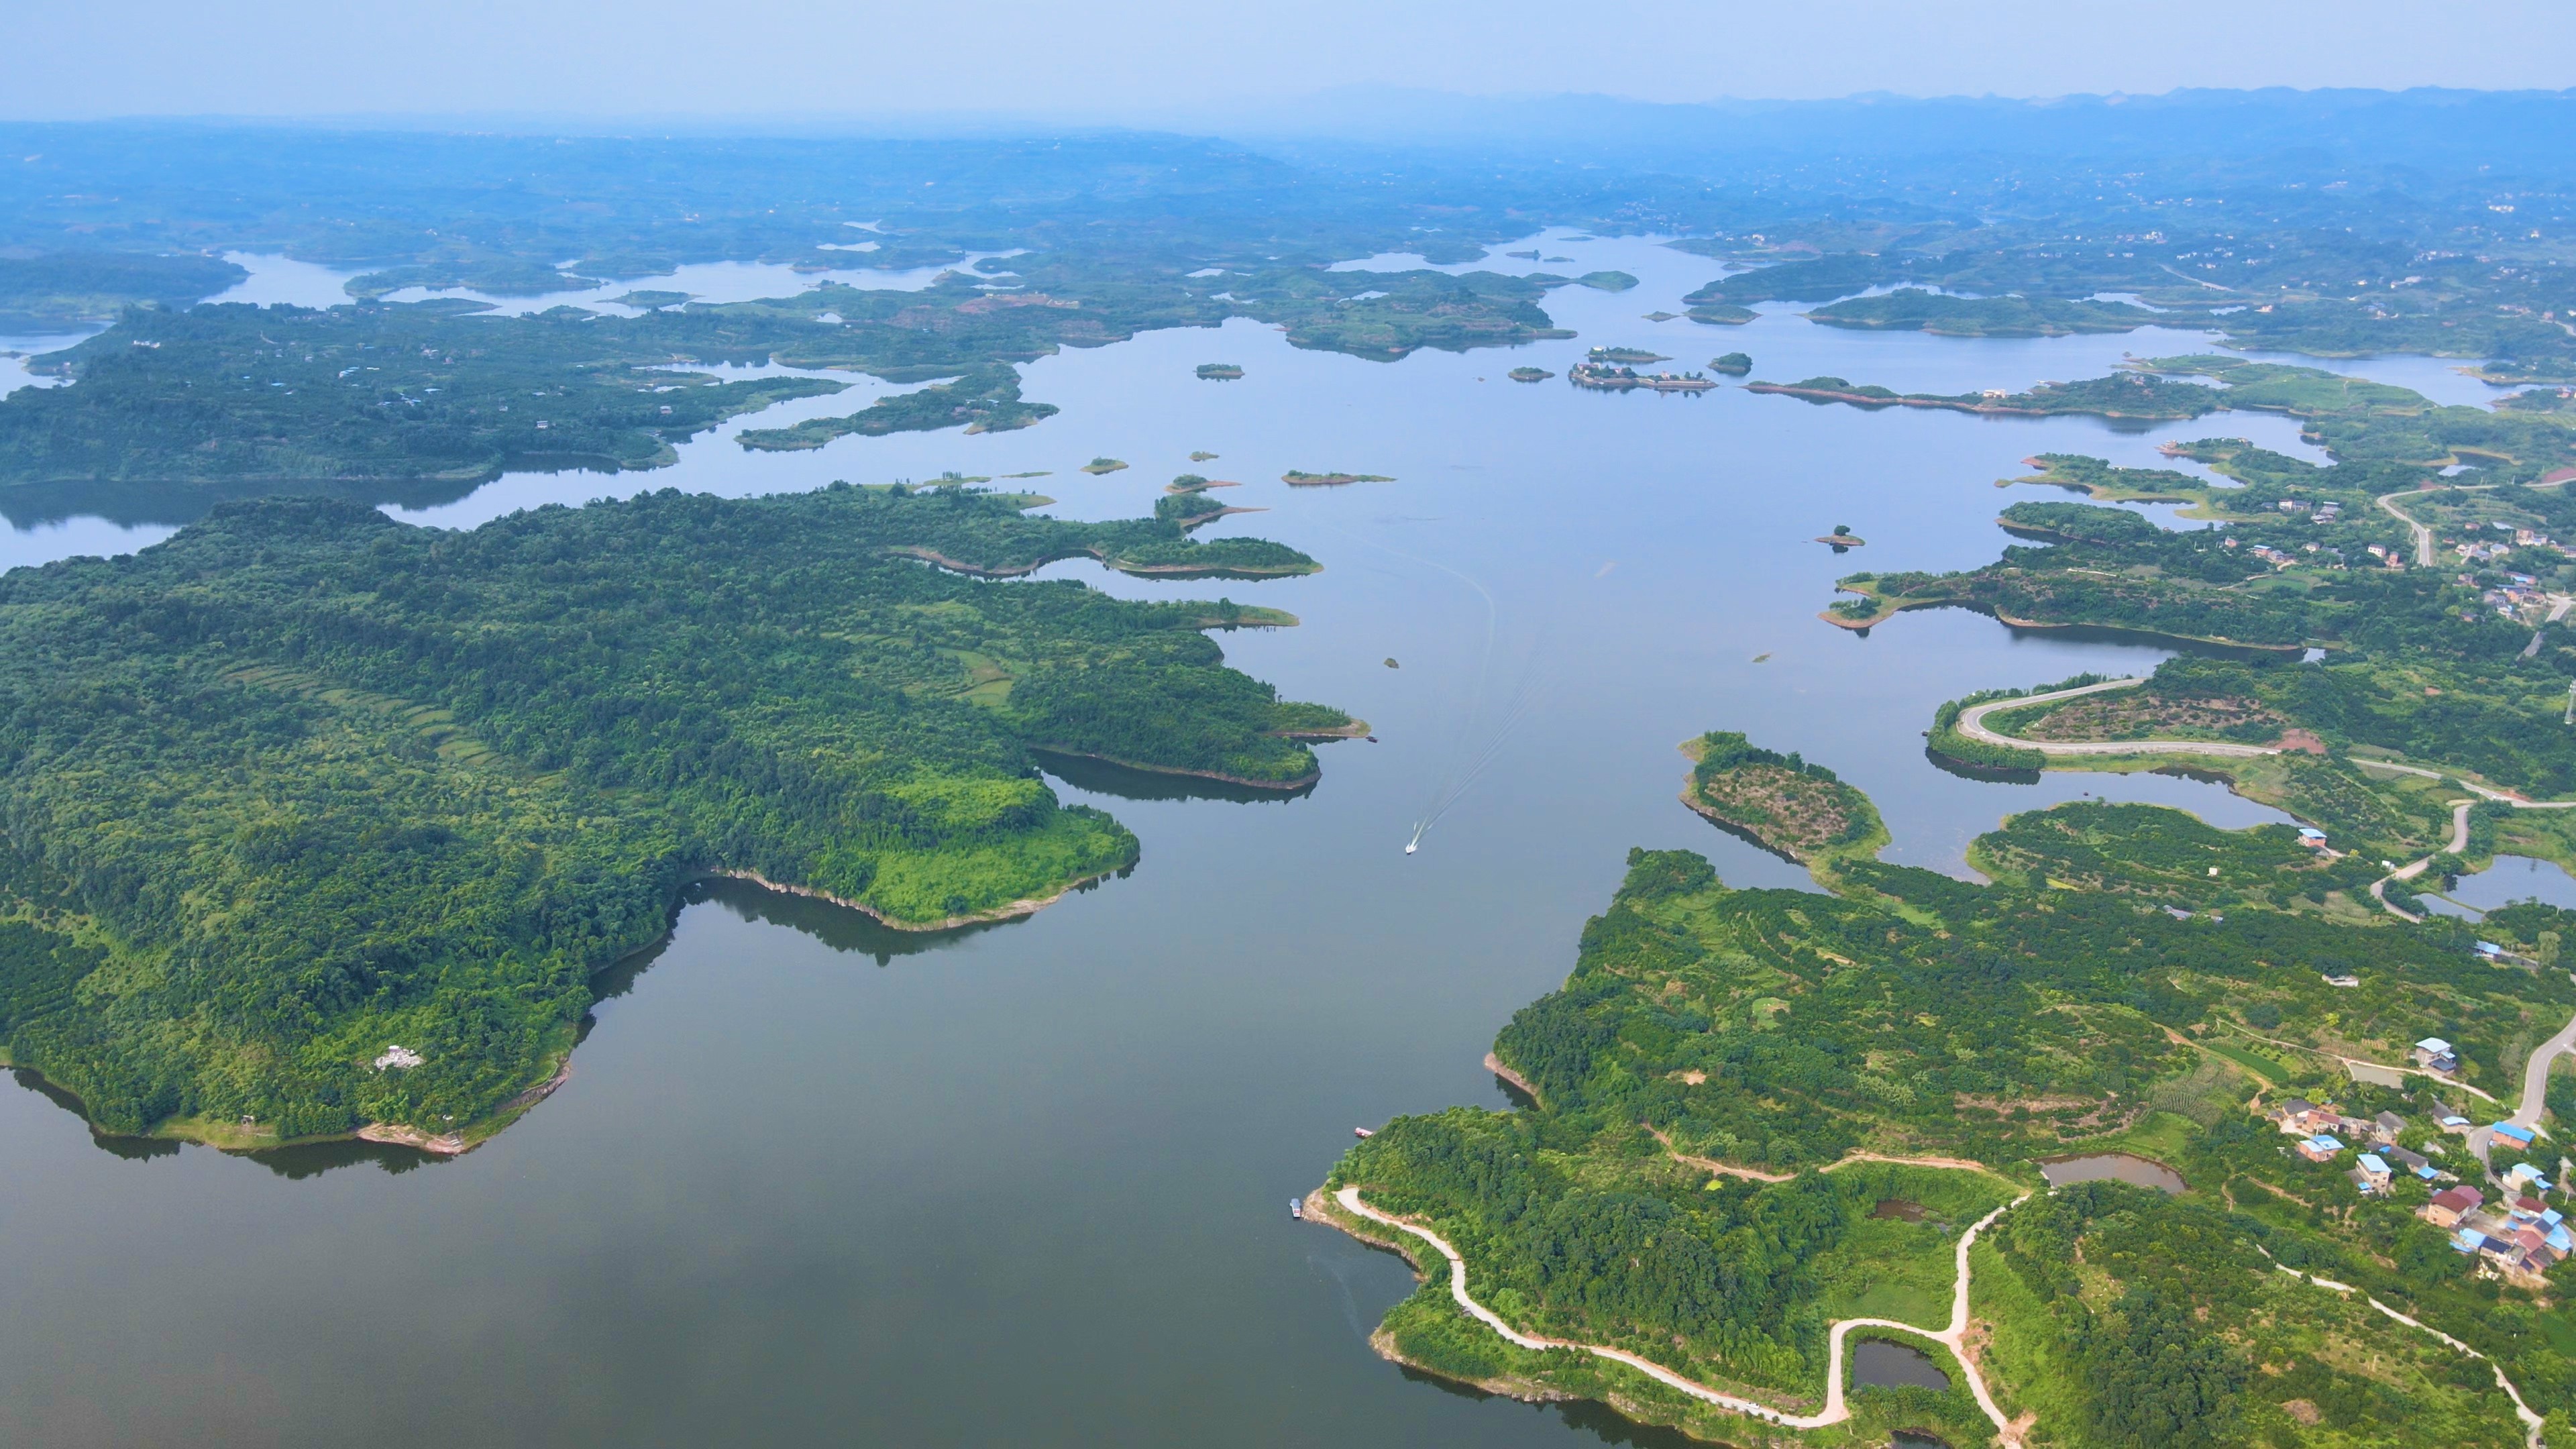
x,y
1098,466
1529,374
322,823
1720,314
1799,811
2294,555
1623,356
500,277
62,290
419,403
2121,395
1219,371
176,410
1182,509
1733,364
1757,1124
1299,478
1912,309
2267,287
986,400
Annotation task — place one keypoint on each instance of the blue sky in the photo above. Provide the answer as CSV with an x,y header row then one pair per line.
x,y
1161,61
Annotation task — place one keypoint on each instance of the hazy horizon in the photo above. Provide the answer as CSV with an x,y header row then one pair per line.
x,y
1159,64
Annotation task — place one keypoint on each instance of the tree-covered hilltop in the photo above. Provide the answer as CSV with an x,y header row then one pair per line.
x,y
178,409
986,400
60,291
1780,802
304,782
2457,668
2358,421
1693,1180
1912,309
174,410
2121,395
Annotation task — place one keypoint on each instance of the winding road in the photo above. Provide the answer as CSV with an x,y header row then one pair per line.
x,y
2532,1423
2535,1089
1972,723
1835,1410
2459,825
2423,533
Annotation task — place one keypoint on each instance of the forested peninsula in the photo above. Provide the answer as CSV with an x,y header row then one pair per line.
x,y
2387,633
1758,1114
304,785
419,403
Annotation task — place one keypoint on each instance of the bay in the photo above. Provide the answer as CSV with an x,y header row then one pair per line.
x,y
815,1180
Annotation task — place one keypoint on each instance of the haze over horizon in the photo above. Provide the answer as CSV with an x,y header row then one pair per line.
x,y
1163,63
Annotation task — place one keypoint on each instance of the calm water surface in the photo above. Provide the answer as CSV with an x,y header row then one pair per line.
x,y
813,1181
1878,1364
2508,879
2111,1167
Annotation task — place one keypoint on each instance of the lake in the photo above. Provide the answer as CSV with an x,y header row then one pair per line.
x,y
1877,1363
814,1180
2507,879
2111,1167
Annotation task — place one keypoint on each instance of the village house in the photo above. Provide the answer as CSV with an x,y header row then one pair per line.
x,y
2371,1175
2299,1117
2452,1204
2385,1127
2320,1148
2434,1055
2412,1161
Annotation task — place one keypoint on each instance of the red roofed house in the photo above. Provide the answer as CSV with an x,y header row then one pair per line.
x,y
2452,1204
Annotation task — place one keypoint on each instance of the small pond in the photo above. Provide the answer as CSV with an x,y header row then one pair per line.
x,y
1912,1439
1898,1208
2116,1166
2508,879
1879,1364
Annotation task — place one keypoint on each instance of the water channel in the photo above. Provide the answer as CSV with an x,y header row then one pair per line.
x,y
816,1181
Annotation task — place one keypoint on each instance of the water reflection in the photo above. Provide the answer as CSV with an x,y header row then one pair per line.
x,y
2111,1167
132,1149
2509,879
1597,1421
838,927
276,280
1878,1363
782,1188
1125,782
710,282
312,1159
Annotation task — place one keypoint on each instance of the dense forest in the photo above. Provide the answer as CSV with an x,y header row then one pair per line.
x,y
396,402
2456,666
2121,395
1911,309
1714,1047
61,291
1780,802
304,782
